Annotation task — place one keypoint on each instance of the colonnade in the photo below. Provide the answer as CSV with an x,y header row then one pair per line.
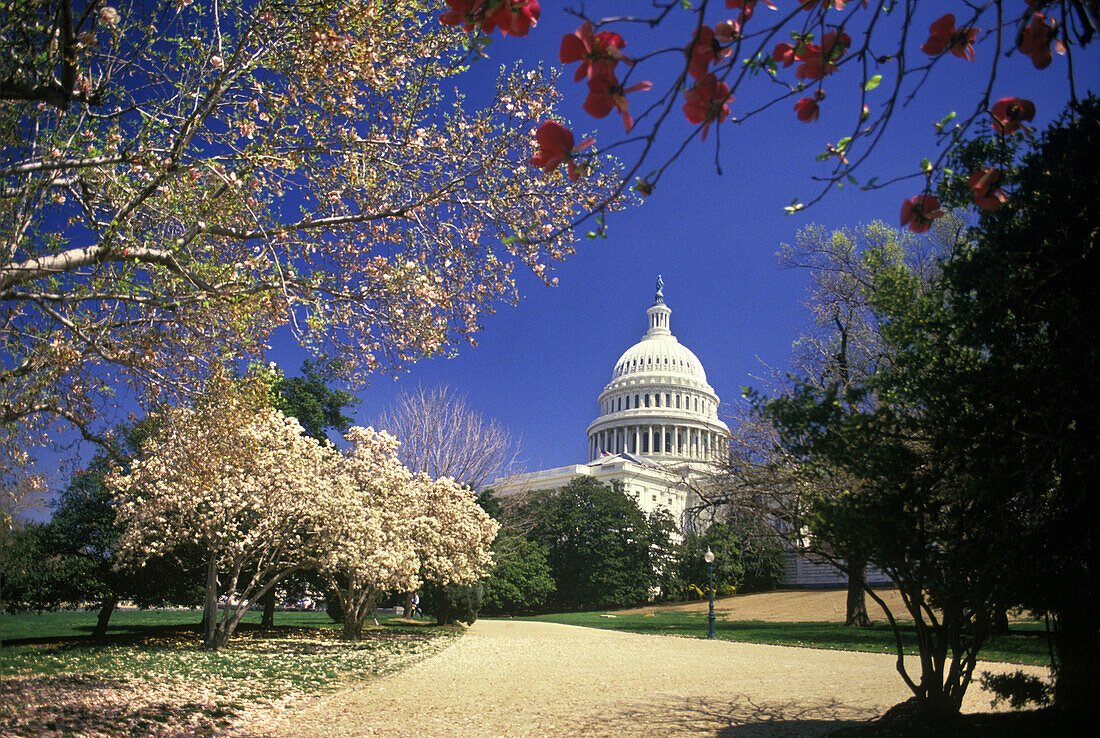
x,y
656,439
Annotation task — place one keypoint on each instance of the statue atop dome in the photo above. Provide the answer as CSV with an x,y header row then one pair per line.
x,y
659,298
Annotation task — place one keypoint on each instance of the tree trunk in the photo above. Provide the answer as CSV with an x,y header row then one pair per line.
x,y
856,609
267,620
1077,651
353,625
409,604
356,608
105,611
210,616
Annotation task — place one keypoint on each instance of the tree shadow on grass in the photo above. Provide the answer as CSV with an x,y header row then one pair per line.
x,y
122,636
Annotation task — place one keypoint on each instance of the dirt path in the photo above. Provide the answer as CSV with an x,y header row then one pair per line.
x,y
513,678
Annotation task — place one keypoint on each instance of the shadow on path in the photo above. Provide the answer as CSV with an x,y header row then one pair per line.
x,y
742,717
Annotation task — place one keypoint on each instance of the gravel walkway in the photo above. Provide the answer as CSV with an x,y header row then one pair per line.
x,y
513,678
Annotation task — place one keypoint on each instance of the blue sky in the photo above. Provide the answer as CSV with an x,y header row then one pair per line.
x,y
540,366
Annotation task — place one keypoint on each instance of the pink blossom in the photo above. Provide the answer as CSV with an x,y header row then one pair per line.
x,y
919,212
1009,113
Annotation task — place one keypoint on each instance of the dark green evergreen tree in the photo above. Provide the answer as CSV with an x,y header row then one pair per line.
x,y
604,552
1025,300
317,407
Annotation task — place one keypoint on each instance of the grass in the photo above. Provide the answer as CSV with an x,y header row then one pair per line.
x,y
151,674
73,623
1024,644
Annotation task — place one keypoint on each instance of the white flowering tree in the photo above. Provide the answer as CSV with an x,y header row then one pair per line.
x,y
245,485
400,528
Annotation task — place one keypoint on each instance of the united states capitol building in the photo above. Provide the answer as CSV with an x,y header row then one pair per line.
x,y
658,435
657,428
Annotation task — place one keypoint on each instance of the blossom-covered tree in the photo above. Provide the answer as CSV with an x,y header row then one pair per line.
x,y
705,54
398,529
241,482
177,179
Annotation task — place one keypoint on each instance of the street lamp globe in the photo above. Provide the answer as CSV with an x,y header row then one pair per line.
x,y
709,556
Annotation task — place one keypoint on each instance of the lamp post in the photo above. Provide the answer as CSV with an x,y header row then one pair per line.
x,y
709,558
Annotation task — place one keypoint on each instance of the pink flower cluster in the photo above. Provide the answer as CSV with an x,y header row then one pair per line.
x,y
599,54
512,17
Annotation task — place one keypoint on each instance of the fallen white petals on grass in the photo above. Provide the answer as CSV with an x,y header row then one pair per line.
x,y
169,685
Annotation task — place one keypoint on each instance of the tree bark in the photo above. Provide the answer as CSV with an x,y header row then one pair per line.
x,y
1077,651
856,608
210,616
267,620
106,609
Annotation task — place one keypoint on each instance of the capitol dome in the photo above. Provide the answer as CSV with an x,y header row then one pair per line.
x,y
658,403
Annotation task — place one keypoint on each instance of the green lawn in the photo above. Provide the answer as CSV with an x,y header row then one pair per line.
x,y
151,674
1024,644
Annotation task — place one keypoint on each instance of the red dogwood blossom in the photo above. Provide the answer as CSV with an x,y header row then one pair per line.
x,y
983,183
943,37
463,12
512,17
556,148
785,54
807,109
818,61
606,93
1009,114
598,53
1037,38
703,51
919,212
707,102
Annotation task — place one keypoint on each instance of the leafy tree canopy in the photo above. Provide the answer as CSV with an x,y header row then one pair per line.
x,y
603,550
309,399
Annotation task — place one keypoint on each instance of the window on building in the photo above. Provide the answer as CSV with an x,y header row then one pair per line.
x,y
635,401
656,400
668,400
677,402
619,403
647,400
